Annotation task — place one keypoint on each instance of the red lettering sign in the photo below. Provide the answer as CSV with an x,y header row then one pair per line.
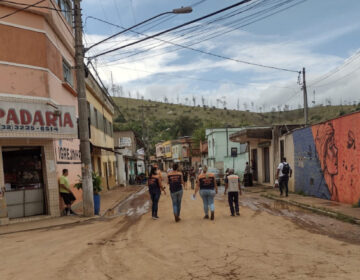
x,y
25,117
2,113
38,118
51,119
12,117
67,120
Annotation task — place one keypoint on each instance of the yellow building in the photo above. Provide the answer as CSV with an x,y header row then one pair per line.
x,y
101,112
167,154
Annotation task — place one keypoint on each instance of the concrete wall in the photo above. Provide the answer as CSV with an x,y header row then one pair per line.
x,y
327,159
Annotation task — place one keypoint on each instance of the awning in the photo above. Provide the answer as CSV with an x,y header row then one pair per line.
x,y
247,134
92,146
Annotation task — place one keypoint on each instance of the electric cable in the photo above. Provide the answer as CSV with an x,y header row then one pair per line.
x,y
22,9
26,4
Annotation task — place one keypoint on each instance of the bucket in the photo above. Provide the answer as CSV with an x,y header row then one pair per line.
x,y
96,204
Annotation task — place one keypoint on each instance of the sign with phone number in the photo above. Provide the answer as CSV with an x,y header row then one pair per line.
x,y
10,127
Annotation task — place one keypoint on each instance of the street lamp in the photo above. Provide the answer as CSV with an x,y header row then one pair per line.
x,y
182,10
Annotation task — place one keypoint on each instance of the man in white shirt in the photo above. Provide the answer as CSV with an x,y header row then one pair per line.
x,y
233,187
283,174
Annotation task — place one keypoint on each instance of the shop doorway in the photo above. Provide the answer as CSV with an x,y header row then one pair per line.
x,y
24,183
266,165
254,163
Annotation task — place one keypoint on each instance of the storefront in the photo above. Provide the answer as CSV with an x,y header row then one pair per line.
x,y
29,129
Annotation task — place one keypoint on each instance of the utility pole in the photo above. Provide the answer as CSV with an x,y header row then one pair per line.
x,y
305,98
88,199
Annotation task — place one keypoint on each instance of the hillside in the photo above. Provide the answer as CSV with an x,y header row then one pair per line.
x,y
163,121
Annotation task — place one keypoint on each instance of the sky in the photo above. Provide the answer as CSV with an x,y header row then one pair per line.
x,y
321,35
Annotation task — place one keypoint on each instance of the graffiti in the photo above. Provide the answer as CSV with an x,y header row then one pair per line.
x,y
308,172
328,153
351,140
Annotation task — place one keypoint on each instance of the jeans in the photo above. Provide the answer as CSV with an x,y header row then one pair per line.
x,y
155,197
208,200
192,180
283,184
176,201
233,198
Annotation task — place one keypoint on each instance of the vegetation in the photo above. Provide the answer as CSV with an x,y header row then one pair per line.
x,y
165,121
96,183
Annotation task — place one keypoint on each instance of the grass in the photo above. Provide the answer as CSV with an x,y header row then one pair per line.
x,y
131,109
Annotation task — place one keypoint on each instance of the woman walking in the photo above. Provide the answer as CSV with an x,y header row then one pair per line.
x,y
206,183
176,183
155,188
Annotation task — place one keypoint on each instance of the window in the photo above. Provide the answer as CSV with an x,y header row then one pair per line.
x,y
96,118
65,6
67,72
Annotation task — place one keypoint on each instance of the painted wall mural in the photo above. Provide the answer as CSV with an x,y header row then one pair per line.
x,y
327,159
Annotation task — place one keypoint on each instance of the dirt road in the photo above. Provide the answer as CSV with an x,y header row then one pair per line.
x,y
268,241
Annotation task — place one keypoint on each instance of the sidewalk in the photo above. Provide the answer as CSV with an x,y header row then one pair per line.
x,y
341,211
109,200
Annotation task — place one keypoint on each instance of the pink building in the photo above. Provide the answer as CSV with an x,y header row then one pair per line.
x,y
38,108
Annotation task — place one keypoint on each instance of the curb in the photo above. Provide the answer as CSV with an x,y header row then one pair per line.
x,y
82,219
322,211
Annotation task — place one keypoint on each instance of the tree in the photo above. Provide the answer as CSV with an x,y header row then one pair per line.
x,y
238,105
245,106
166,100
194,100
203,101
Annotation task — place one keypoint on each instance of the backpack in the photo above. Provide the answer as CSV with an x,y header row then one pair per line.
x,y
286,169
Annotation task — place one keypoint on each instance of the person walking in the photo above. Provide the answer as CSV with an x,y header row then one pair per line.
x,y
66,193
155,188
283,174
206,183
185,177
176,182
192,177
233,189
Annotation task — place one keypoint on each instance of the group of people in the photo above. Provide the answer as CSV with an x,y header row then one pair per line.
x,y
205,184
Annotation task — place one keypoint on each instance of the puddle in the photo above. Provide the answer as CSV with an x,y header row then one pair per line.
x,y
134,206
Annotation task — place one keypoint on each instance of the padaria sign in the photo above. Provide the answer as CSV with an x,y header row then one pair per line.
x,y
38,120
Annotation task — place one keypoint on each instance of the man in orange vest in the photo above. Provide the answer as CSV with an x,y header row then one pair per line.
x,y
233,188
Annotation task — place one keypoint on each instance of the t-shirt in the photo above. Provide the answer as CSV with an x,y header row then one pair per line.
x,y
233,181
280,167
175,181
64,181
153,183
207,181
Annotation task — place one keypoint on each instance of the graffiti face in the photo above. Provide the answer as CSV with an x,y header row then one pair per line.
x,y
331,157
351,140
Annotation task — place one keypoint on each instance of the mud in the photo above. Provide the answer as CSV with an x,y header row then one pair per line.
x,y
304,219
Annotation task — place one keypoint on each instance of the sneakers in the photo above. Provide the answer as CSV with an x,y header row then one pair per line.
x,y
177,218
206,217
237,214
155,217
232,214
212,215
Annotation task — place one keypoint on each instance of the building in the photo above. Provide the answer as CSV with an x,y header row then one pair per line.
x,y
38,108
167,158
204,152
325,157
101,113
266,148
220,148
130,156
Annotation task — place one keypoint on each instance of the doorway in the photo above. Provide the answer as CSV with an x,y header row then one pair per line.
x,y
24,183
266,165
254,165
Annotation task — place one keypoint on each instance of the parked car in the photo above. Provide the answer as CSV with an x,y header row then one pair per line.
x,y
217,174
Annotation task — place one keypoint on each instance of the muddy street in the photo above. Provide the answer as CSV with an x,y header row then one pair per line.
x,y
270,240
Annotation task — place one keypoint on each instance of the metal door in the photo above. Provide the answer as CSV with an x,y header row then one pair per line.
x,y
266,165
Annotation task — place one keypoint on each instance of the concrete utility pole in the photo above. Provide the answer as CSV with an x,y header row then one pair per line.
x,y
305,98
88,199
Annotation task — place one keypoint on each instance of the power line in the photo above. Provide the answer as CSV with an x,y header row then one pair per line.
x,y
22,9
219,56
171,29
26,4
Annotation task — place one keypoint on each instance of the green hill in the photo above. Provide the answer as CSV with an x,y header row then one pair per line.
x,y
164,121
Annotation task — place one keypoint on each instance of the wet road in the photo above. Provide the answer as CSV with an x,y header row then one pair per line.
x,y
270,240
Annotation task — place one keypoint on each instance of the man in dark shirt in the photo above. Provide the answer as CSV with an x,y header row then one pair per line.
x,y
176,182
